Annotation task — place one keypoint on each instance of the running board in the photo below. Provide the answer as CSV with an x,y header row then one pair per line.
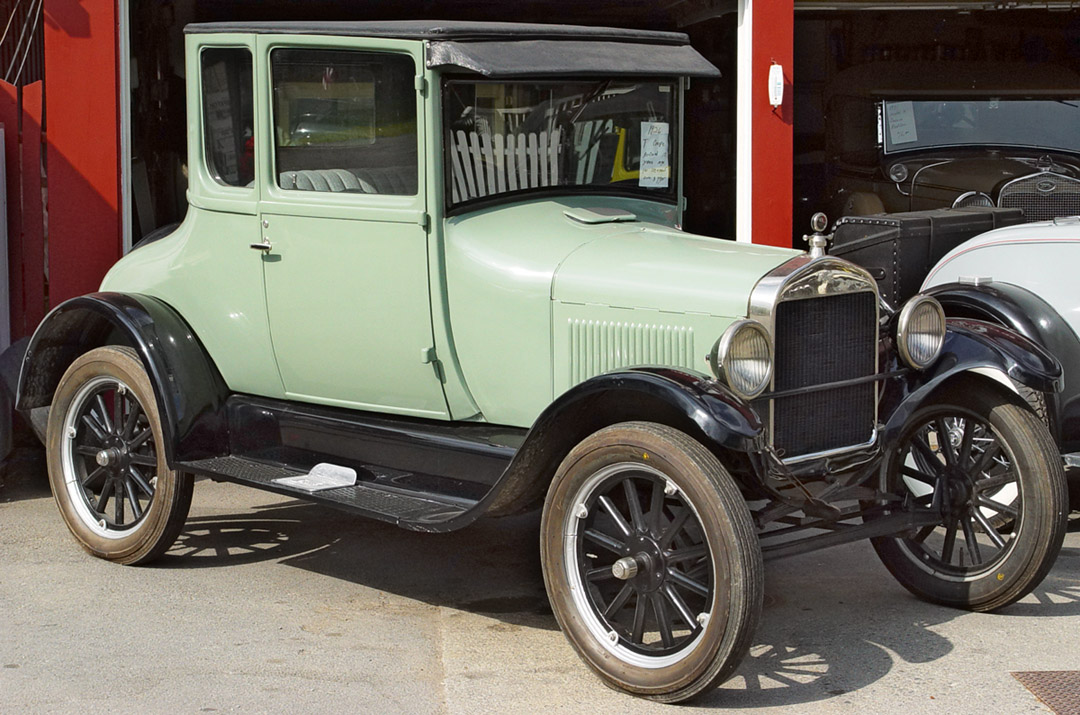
x,y
426,475
374,499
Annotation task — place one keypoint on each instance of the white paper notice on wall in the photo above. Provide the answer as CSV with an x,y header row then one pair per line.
x,y
655,155
901,119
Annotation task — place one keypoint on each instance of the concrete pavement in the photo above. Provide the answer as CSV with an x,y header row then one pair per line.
x,y
267,604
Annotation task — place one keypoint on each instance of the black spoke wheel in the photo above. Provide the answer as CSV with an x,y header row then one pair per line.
x,y
651,562
989,469
106,465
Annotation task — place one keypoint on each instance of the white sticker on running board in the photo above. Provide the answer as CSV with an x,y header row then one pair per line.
x,y
322,476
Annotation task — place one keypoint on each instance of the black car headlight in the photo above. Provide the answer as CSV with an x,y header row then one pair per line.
x,y
920,332
742,358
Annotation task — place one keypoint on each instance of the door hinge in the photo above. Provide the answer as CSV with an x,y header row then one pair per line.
x,y
421,84
425,221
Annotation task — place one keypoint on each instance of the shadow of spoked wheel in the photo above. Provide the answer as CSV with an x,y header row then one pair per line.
x,y
229,542
778,674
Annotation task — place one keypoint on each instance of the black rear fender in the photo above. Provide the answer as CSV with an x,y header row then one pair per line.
x,y
700,407
189,389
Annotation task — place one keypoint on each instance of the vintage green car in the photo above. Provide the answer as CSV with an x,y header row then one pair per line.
x,y
434,271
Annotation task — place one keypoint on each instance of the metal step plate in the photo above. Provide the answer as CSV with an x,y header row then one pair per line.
x,y
1058,690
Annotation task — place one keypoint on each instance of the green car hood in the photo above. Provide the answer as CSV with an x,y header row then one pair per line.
x,y
645,266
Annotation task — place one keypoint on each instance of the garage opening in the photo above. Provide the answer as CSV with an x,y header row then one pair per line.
x,y
886,97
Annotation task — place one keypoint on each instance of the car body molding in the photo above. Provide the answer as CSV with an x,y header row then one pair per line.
x,y
1034,318
187,385
975,346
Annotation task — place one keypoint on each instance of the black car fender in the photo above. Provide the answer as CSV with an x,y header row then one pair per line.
x,y
973,349
703,408
1031,316
190,391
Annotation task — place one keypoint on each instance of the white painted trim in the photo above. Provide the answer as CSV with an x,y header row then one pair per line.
x,y
123,50
744,169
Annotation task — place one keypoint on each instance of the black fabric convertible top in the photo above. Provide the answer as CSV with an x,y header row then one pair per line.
x,y
507,49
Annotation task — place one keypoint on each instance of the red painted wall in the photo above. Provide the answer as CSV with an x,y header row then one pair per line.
x,y
32,261
83,147
21,114
772,151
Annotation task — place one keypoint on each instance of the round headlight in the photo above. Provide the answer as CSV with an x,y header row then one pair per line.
x,y
972,198
742,358
920,334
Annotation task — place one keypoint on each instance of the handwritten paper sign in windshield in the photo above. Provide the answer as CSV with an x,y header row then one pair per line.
x,y
901,119
655,155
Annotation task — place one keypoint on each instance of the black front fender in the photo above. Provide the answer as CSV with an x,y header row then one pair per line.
x,y
720,416
974,347
190,391
701,407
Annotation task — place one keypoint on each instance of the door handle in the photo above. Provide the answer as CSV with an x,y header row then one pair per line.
x,y
264,246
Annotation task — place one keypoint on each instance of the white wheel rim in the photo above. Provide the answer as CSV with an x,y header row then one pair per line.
x,y
72,484
585,610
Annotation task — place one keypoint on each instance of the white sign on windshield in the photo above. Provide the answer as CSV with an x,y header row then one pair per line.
x,y
900,117
655,162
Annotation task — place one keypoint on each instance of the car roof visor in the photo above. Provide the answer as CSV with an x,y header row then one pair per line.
x,y
569,58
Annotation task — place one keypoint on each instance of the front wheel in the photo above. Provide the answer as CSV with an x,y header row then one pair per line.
x,y
990,469
106,460
651,562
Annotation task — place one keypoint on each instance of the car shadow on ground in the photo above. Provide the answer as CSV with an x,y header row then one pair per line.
x,y
490,568
822,638
834,621
23,474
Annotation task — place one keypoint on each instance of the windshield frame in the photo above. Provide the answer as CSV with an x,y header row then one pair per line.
x,y
671,197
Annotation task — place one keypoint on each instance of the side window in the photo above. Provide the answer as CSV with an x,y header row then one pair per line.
x,y
228,115
345,121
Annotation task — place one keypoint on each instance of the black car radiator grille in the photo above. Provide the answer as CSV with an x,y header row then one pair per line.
x,y
819,341
1043,196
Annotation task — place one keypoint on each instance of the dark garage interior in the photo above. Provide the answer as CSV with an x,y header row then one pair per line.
x,y
828,44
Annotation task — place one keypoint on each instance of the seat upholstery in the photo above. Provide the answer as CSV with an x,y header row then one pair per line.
x,y
396,180
334,180
389,180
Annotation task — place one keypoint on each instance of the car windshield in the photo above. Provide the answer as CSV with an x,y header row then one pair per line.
x,y
1043,124
609,136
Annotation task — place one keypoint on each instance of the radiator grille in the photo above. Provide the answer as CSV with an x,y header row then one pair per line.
x,y
818,341
598,346
1042,196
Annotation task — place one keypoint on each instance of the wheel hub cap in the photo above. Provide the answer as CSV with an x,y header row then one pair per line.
x,y
625,568
649,561
108,457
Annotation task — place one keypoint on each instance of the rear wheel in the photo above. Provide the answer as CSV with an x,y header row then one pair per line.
x,y
991,470
651,562
106,460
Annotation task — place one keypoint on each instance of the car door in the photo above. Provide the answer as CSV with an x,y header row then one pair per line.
x,y
344,225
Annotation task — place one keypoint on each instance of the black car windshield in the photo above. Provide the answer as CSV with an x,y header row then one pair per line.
x,y
611,136
1052,124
